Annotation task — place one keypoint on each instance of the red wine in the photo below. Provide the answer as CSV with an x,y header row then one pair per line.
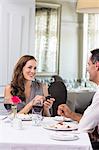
x,y
7,106
37,108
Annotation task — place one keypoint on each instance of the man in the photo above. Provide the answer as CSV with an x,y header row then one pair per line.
x,y
90,119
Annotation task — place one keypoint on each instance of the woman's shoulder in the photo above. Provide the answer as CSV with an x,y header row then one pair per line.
x,y
7,91
8,87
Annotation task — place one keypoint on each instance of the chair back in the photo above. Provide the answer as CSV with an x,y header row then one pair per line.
x,y
58,91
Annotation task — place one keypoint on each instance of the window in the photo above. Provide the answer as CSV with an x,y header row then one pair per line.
x,y
47,37
91,37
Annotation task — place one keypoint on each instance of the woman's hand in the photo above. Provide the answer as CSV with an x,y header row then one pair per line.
x,y
38,99
64,110
48,103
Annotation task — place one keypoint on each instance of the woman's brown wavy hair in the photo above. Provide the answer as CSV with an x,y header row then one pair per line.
x,y
18,80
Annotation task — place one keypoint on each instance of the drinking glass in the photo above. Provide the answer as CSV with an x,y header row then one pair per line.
x,y
37,109
8,106
11,109
37,114
7,110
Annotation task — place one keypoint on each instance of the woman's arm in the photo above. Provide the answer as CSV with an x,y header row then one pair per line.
x,y
7,94
27,108
35,100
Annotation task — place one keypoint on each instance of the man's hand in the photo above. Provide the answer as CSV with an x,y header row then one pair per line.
x,y
64,110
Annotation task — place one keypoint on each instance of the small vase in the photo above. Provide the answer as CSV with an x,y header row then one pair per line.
x,y
14,110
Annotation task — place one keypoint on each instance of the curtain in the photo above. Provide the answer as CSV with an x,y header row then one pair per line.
x,y
93,31
46,39
91,38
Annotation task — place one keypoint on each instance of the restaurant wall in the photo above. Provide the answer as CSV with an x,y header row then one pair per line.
x,y
16,35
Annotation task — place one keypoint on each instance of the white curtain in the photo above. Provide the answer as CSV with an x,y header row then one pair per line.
x,y
91,38
46,39
93,31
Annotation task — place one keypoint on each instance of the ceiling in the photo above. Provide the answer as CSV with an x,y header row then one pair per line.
x,y
61,0
70,0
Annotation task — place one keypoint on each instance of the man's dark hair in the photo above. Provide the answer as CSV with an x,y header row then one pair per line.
x,y
95,55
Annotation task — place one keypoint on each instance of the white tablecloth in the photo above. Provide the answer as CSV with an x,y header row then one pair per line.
x,y
37,138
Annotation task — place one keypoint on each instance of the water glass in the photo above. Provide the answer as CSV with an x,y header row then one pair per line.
x,y
36,119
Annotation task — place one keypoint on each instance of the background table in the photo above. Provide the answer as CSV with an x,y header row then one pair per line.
x,y
79,100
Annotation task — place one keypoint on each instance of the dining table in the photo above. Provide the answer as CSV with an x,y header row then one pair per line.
x,y
31,137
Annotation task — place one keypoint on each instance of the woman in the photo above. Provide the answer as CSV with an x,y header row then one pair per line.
x,y
22,85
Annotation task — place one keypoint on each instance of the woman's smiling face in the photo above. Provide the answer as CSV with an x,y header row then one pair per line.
x,y
29,70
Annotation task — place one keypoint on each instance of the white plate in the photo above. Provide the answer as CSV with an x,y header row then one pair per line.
x,y
24,117
61,118
64,137
65,127
2,117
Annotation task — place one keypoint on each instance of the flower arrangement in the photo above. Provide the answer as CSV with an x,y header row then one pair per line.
x,y
15,100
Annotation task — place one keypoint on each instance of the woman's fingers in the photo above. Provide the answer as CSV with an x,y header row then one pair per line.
x,y
49,102
38,99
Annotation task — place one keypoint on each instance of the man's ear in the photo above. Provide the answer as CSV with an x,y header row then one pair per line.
x,y
97,64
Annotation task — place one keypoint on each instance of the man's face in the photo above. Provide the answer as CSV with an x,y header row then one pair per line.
x,y
92,69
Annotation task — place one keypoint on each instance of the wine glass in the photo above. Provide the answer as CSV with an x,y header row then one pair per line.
x,y
37,114
7,105
7,110
37,109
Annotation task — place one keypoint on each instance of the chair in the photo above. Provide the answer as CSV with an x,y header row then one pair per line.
x,y
58,91
56,78
95,145
94,138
